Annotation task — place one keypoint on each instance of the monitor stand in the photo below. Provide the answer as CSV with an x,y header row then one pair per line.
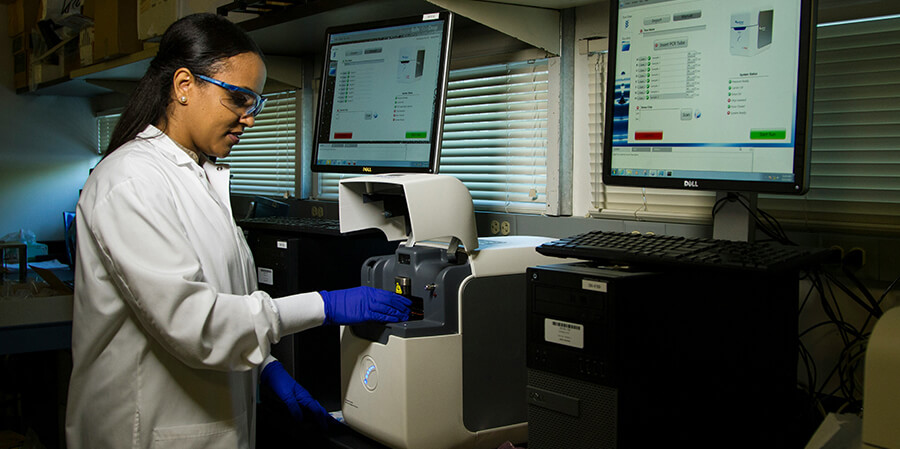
x,y
733,221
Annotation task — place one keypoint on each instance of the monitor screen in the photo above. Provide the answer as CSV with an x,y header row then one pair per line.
x,y
381,102
709,95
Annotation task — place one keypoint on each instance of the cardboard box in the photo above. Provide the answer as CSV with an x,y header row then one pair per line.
x,y
20,77
115,29
12,14
21,61
72,54
44,72
154,16
23,15
86,47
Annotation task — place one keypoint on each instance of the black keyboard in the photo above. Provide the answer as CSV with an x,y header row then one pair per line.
x,y
672,251
315,225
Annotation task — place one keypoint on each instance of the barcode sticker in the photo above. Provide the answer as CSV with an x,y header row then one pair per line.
x,y
597,286
563,333
265,276
281,244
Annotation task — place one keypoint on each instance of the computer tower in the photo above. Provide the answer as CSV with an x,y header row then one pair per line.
x,y
633,359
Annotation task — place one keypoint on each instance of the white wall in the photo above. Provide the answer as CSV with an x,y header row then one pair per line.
x,y
47,147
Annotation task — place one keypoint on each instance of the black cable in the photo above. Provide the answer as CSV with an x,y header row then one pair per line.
x,y
815,277
880,300
772,231
865,291
844,372
888,289
720,203
770,227
775,224
806,299
852,361
826,307
811,375
810,366
764,221
854,339
848,363
851,358
853,365
850,293
837,309
826,323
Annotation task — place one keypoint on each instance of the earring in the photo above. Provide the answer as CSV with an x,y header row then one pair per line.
x,y
182,99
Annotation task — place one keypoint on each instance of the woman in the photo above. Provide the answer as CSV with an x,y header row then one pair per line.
x,y
168,325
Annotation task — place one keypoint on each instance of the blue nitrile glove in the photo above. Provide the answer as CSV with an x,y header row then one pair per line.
x,y
300,403
361,304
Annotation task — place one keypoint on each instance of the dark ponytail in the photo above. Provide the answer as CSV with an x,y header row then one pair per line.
x,y
198,42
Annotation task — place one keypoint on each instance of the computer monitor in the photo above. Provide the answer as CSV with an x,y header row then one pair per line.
x,y
710,95
382,95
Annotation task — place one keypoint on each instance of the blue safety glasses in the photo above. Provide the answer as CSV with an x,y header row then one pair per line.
x,y
245,102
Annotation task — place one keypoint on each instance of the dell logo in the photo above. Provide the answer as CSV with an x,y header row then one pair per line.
x,y
367,169
691,184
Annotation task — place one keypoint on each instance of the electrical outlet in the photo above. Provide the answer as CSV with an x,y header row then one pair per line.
x,y
504,228
495,227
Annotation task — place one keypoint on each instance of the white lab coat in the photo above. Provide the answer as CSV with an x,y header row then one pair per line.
x,y
168,326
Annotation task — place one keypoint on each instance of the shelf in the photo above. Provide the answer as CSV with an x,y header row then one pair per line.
x,y
129,67
100,78
300,30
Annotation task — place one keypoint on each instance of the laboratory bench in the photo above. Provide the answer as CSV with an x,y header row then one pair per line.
x,y
36,323
35,359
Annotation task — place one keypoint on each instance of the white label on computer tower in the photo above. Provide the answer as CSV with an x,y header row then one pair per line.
x,y
563,333
281,244
597,286
265,276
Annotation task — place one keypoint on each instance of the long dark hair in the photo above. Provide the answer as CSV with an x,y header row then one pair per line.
x,y
198,42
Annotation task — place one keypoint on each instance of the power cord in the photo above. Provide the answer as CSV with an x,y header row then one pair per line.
x,y
851,359
826,283
764,221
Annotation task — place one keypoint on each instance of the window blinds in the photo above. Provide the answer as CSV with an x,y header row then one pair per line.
x,y
263,163
495,136
105,126
855,174
597,65
328,184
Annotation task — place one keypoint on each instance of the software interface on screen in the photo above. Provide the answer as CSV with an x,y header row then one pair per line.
x,y
706,89
380,103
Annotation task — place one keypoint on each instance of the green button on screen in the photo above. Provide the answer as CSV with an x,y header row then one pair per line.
x,y
416,135
768,134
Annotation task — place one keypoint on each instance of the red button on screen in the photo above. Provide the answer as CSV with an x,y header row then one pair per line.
x,y
648,135
343,135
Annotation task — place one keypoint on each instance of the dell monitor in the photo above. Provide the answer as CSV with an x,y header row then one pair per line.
x,y
382,95
710,95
